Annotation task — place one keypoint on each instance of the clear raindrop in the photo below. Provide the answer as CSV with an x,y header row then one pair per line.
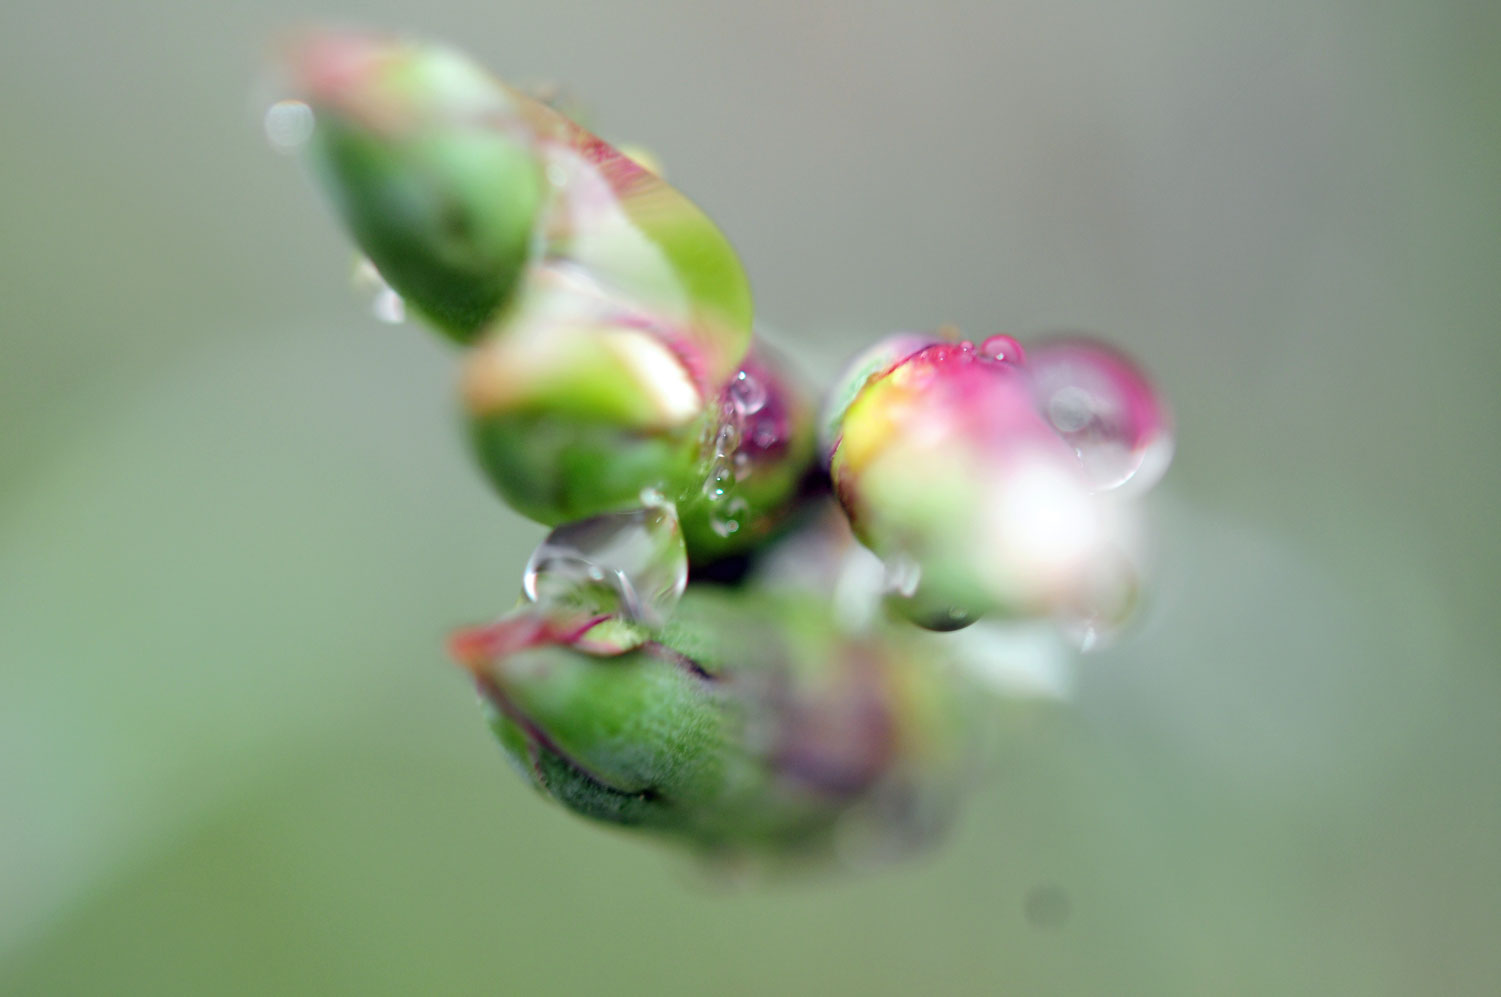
x,y
632,564
288,124
728,523
1102,404
720,480
385,304
747,393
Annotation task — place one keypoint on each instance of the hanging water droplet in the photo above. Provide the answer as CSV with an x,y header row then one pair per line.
x,y
632,564
903,576
1102,603
385,304
1103,405
288,125
747,393
388,306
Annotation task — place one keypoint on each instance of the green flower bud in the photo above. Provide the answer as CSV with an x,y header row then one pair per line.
x,y
753,458
747,723
429,163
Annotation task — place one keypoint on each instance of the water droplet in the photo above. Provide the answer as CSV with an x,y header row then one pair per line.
x,y
902,576
1003,347
728,439
721,478
632,564
1102,603
652,498
288,125
747,393
742,464
728,524
765,436
388,306
1102,404
385,304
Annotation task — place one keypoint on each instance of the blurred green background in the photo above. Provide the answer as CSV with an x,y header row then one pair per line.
x,y
236,520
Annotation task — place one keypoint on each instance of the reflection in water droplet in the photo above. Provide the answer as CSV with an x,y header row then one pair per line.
x,y
1107,410
747,393
632,564
288,124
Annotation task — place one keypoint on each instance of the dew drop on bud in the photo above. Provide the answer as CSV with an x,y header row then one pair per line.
x,y
728,523
728,439
288,125
385,304
1103,405
1003,347
631,563
903,576
388,306
720,480
747,393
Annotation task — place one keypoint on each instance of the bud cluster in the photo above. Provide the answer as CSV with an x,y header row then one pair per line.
x,y
614,391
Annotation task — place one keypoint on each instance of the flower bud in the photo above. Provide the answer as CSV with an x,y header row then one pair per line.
x,y
578,404
431,167
948,471
754,454
746,724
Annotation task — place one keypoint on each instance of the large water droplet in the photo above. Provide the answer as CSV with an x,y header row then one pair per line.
x,y
632,564
288,124
1104,406
747,393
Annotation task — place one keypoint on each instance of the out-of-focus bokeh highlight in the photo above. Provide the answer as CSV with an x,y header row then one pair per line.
x,y
237,518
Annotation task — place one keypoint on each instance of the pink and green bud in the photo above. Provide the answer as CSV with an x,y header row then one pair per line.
x,y
950,473
753,457
746,724
430,166
577,404
454,184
